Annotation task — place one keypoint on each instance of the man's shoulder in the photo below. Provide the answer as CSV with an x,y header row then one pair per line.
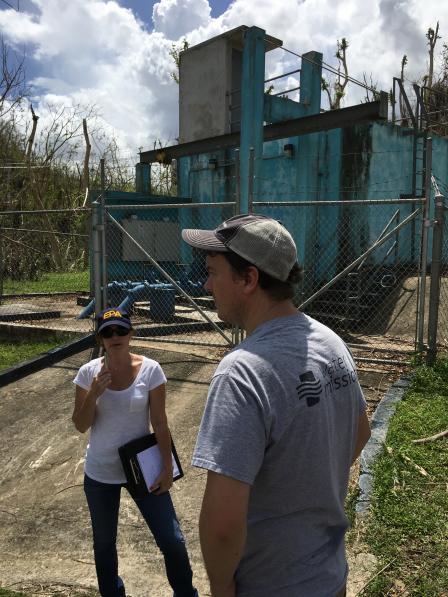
x,y
243,363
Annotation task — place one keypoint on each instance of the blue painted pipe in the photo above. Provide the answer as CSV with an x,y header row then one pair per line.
x,y
133,291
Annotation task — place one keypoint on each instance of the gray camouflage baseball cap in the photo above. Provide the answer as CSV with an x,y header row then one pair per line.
x,y
262,241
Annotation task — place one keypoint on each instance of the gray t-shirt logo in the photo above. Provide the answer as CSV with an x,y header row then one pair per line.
x,y
309,388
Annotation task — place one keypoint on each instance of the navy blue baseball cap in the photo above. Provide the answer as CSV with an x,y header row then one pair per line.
x,y
113,316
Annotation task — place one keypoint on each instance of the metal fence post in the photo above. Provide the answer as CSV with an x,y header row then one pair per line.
x,y
103,236
96,243
436,266
424,251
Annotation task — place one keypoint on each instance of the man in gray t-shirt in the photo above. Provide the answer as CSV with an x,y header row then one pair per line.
x,y
285,419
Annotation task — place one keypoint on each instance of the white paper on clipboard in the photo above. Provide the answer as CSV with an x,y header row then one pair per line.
x,y
150,461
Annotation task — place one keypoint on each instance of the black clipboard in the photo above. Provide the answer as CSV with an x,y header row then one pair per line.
x,y
139,458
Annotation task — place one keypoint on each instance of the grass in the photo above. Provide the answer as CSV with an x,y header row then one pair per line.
x,y
12,353
7,593
408,527
50,282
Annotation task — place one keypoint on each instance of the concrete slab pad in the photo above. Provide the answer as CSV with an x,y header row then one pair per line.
x,y
25,311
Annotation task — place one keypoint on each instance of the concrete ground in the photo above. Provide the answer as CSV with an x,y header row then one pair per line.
x,y
45,537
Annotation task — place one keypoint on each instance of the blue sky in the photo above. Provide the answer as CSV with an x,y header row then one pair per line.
x,y
114,54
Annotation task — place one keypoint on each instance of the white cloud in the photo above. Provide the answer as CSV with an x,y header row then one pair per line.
x,y
175,18
97,52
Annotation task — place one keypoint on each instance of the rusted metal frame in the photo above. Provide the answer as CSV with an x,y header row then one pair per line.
x,y
369,111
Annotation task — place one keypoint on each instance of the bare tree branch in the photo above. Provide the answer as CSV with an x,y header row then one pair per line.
x,y
32,136
85,173
12,79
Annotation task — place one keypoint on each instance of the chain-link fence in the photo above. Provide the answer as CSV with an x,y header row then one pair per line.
x,y
438,316
363,270
149,271
361,267
44,272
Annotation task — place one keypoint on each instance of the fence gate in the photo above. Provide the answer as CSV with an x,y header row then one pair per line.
x,y
149,271
365,270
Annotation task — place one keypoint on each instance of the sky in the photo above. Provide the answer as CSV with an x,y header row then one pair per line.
x,y
114,54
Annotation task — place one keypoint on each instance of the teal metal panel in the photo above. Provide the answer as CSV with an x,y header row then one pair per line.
x,y
323,255
310,82
206,178
143,178
278,109
252,111
390,176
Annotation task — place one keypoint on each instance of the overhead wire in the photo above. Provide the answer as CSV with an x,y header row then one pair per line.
x,y
324,65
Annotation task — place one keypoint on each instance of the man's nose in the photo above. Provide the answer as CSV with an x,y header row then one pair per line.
x,y
207,285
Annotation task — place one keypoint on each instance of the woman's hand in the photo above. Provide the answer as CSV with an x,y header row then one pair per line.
x,y
163,482
85,400
100,383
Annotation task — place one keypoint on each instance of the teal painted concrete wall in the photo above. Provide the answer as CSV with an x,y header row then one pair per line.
x,y
370,161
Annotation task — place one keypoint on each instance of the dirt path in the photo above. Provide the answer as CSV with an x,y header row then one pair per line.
x,y
45,538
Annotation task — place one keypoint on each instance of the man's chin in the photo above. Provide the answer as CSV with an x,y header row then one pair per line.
x,y
225,319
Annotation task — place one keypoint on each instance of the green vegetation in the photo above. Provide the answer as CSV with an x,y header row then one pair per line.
x,y
6,593
407,530
12,353
50,282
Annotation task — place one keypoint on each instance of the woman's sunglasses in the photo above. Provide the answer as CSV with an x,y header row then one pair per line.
x,y
112,330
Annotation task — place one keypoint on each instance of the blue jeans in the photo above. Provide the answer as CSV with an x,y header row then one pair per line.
x,y
103,500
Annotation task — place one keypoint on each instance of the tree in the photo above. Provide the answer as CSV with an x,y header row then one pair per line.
x,y
437,100
175,55
434,90
403,109
432,37
336,91
371,89
39,174
12,82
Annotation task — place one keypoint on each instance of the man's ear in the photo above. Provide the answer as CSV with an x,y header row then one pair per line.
x,y
251,279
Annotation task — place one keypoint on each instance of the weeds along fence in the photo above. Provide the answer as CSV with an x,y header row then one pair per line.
x,y
39,242
44,265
